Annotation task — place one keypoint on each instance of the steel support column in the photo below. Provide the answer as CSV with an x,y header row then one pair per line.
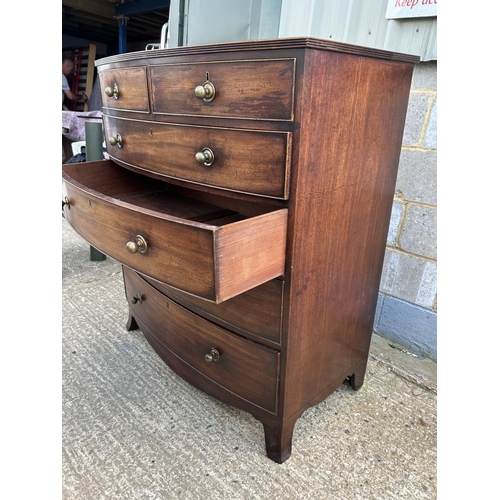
x,y
122,34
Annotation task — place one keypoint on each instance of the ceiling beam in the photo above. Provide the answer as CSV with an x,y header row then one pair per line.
x,y
141,7
94,6
87,18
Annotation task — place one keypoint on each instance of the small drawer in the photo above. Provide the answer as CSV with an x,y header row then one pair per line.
x,y
253,89
125,89
242,367
257,312
197,247
246,161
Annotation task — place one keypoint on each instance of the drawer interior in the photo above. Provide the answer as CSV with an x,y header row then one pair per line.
x,y
109,180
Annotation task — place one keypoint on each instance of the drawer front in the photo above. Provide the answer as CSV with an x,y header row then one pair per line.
x,y
257,89
125,89
258,311
245,161
216,260
245,368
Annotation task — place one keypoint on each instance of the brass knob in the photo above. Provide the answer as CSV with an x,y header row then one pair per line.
x,y
112,92
139,244
116,141
205,91
213,355
136,299
205,157
66,202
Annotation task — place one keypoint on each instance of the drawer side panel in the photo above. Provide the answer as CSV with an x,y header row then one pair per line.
x,y
247,254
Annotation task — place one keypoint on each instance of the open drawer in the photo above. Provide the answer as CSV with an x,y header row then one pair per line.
x,y
202,249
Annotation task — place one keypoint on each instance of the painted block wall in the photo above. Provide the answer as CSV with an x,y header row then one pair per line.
x,y
407,305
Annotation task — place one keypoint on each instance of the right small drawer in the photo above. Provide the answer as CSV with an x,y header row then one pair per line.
x,y
248,89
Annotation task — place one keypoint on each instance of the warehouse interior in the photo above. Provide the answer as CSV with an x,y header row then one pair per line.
x,y
105,22
92,29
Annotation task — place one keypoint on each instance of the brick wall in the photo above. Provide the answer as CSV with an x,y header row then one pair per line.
x,y
407,306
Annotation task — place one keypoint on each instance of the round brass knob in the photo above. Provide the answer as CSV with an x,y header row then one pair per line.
x,y
136,299
66,202
205,91
205,157
112,92
139,244
199,92
116,141
213,355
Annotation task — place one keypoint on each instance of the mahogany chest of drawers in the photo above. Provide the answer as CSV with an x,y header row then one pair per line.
x,y
248,196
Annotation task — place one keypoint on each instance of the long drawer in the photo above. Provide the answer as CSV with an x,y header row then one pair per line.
x,y
244,368
202,249
232,159
255,313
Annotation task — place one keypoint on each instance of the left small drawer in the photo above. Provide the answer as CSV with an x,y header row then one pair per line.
x,y
125,89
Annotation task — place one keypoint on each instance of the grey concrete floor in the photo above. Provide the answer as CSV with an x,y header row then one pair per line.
x,y
133,429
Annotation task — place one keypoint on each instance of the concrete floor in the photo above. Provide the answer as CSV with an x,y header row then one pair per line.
x,y
133,429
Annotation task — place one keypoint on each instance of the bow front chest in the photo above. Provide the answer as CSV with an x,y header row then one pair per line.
x,y
248,197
